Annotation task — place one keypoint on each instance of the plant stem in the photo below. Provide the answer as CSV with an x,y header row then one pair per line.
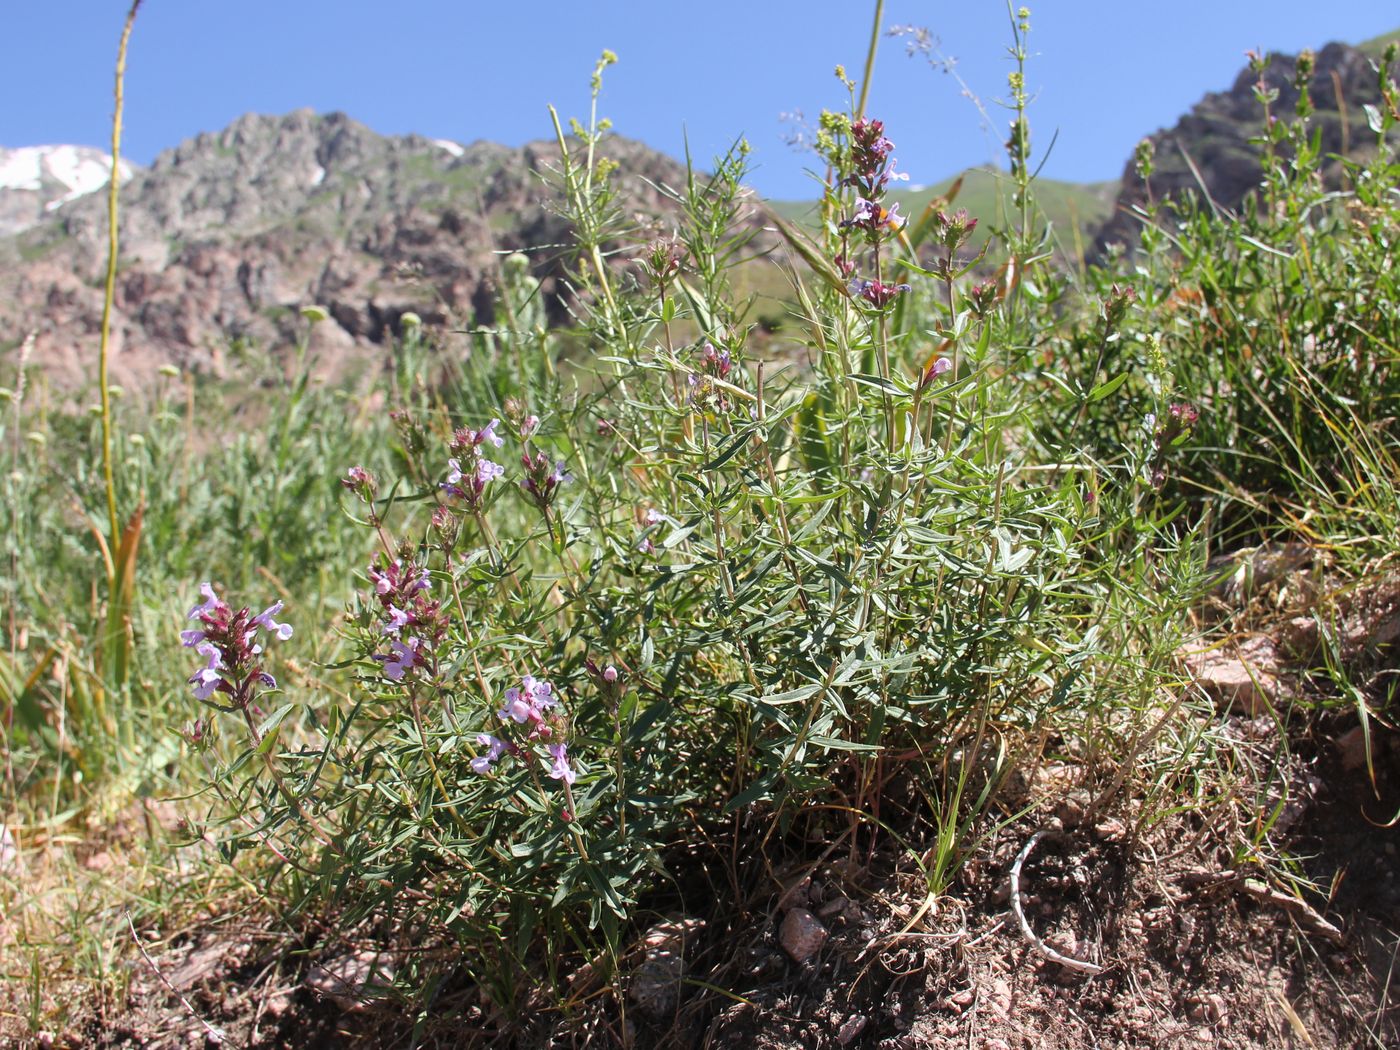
x,y
870,57
109,287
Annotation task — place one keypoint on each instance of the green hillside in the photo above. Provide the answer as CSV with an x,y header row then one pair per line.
x,y
1376,45
1070,207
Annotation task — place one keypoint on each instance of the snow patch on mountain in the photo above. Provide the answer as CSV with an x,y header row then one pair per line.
x,y
79,169
22,169
450,146
39,179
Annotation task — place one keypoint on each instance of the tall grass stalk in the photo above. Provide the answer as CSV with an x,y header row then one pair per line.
x,y
110,284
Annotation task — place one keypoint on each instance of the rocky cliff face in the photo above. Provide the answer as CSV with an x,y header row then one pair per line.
x,y
1215,135
225,238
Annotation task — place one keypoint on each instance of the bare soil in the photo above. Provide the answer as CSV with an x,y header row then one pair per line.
x,y
1199,947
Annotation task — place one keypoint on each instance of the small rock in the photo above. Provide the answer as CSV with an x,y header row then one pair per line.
x,y
1245,679
352,980
1066,943
656,986
1110,830
796,895
1301,639
202,965
1206,1009
1070,813
832,908
999,1001
852,1027
960,1001
802,935
1352,747
1256,567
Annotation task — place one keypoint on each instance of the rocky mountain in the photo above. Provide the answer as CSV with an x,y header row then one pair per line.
x,y
1215,135
225,238
36,180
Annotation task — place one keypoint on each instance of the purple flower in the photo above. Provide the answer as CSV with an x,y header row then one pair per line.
x,y
207,678
361,482
939,366
396,579
716,362
540,692
517,708
610,673
382,583
529,703
265,620
397,619
541,480
471,489
877,293
403,658
466,439
560,769
495,747
873,216
228,641
529,425
210,605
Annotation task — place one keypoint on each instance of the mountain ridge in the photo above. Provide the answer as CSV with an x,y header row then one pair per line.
x,y
229,234
1209,149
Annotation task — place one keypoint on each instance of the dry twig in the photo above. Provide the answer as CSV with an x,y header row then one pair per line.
x,y
218,1035
1044,949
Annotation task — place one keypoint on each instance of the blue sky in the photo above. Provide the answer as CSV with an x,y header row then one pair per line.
x,y
1106,72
